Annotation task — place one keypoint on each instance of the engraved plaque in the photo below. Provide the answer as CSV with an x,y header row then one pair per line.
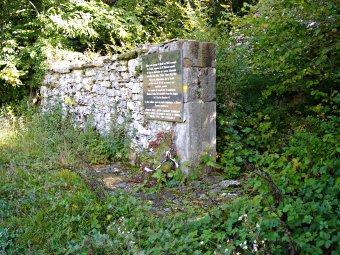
x,y
162,86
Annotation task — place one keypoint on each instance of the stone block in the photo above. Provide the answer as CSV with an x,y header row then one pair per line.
x,y
79,86
190,75
137,97
114,77
190,53
130,106
105,102
87,87
48,78
132,64
102,75
191,87
63,82
113,66
43,91
197,134
110,59
208,134
106,84
121,68
120,120
61,70
143,141
88,81
125,76
121,105
77,65
124,92
128,55
102,91
60,67
174,45
137,116
99,90
122,65
53,84
111,93
206,55
136,89
153,48
207,80
78,79
140,129
93,63
90,72
200,83
77,74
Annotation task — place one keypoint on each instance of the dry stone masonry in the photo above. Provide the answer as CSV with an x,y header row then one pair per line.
x,y
108,91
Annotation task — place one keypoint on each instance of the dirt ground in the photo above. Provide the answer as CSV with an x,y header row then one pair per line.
x,y
194,195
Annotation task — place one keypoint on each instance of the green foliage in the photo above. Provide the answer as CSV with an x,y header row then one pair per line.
x,y
56,140
46,208
293,200
32,31
161,20
93,25
278,128
290,205
294,44
243,137
49,203
52,212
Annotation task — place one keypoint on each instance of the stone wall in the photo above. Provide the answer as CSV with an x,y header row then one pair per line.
x,y
109,89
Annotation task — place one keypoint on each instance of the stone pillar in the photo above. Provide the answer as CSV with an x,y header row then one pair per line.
x,y
197,134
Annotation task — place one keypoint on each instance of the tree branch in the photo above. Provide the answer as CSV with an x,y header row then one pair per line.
x,y
34,7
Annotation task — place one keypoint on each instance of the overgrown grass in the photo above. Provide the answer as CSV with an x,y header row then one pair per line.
x,y
49,198
50,138
49,205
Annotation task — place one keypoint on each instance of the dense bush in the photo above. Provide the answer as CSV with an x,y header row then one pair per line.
x,y
278,127
294,191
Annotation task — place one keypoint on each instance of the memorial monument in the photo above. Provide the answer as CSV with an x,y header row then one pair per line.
x,y
168,87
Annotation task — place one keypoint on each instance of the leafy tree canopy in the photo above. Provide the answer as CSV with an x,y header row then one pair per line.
x,y
31,28
293,43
